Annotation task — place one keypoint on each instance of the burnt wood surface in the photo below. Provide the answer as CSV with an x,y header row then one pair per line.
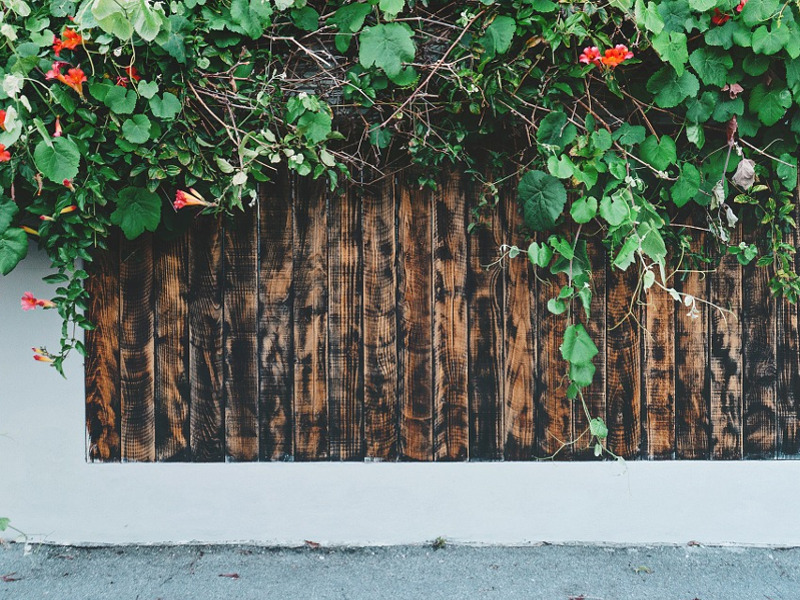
x,y
368,324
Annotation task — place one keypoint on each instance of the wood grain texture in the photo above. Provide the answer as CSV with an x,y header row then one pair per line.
x,y
310,405
275,322
553,408
171,260
240,336
520,345
691,364
658,373
136,350
788,356
380,322
450,333
415,324
345,364
486,303
725,360
102,355
206,420
623,379
596,327
759,370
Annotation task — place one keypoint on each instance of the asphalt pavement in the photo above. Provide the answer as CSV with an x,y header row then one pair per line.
x,y
449,572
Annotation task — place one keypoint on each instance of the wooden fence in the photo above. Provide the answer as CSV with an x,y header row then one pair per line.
x,y
363,326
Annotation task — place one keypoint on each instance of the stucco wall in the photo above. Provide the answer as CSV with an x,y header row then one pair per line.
x,y
51,493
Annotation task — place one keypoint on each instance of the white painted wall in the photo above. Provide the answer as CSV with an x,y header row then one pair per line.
x,y
50,492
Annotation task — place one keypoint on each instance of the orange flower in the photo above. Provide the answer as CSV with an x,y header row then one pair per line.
x,y
42,358
72,39
58,45
55,70
616,55
30,302
190,198
68,209
68,184
719,18
5,155
591,55
3,120
133,73
30,230
74,79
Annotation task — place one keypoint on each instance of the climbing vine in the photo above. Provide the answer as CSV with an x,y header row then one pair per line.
x,y
634,123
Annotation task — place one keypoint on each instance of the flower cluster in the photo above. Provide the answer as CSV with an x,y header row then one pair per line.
x,y
69,40
611,58
75,78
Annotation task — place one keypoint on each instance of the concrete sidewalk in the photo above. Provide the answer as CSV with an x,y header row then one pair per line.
x,y
420,572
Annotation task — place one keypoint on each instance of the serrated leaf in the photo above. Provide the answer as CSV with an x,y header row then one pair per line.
x,y
711,65
670,89
582,375
137,210
136,129
687,186
671,47
648,16
58,161
555,130
629,135
498,36
350,17
13,248
770,103
699,110
543,198
315,126
652,243
386,46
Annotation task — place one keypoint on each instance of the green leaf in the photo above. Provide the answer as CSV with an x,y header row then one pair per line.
x,y
555,130
615,210
8,210
386,46
652,243
629,135
770,104
659,154
305,18
556,306
498,36
598,428
137,210
626,254
136,129
582,375
584,210
671,89
561,166
120,100
578,348
543,198
770,41
13,248
147,21
58,161
391,8
698,110
759,12
252,16
350,17
711,65
687,186
539,255
696,135
671,47
787,173
165,107
702,5
114,17
315,126
648,16
147,89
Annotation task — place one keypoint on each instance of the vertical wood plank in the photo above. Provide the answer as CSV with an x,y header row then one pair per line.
x,y
450,334
275,321
380,322
171,259
102,355
415,325
691,365
726,360
553,408
136,350
486,303
596,327
658,373
310,321
206,419
520,344
759,372
788,396
240,336
345,366
623,378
